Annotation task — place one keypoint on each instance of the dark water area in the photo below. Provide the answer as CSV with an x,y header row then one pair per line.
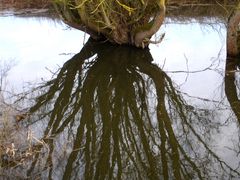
x,y
105,111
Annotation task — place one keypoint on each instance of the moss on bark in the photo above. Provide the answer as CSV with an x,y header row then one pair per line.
x,y
119,21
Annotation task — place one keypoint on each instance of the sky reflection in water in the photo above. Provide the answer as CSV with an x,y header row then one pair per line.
x,y
35,44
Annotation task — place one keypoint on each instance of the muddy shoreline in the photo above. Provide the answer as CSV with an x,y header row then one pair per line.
x,y
28,12
175,9
25,4
26,8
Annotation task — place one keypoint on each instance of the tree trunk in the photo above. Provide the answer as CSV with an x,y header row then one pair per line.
x,y
233,33
119,21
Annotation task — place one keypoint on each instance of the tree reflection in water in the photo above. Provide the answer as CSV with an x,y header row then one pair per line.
x,y
232,84
113,114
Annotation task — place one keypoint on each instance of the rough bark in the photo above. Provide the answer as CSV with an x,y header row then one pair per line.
x,y
142,38
233,33
118,21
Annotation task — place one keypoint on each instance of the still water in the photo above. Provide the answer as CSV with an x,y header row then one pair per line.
x,y
104,111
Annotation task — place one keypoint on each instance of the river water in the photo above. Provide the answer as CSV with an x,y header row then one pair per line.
x,y
102,111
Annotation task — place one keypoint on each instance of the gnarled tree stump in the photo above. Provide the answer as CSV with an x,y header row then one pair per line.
x,y
119,21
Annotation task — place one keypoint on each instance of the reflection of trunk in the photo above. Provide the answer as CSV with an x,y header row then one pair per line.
x,y
232,33
127,119
231,87
165,126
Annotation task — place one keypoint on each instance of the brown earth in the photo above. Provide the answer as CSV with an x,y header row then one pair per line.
x,y
25,4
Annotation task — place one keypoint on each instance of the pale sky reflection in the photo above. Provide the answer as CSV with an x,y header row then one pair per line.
x,y
36,44
192,47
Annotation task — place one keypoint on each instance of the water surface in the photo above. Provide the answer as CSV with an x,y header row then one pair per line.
x,y
117,112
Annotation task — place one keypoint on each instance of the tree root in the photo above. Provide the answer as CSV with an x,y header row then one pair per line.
x,y
142,36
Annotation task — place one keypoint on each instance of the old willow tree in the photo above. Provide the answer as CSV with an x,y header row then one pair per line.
x,y
119,21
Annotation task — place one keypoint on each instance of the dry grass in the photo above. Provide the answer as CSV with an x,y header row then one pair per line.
x,y
18,147
11,135
18,144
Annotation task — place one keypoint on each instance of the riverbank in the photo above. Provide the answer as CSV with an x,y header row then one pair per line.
x,y
179,9
27,8
25,4
46,4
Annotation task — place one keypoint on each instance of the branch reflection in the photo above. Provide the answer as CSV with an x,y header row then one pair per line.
x,y
113,114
